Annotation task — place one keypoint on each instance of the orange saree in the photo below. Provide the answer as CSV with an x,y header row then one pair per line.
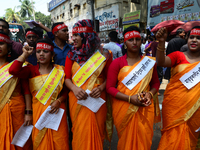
x,y
88,127
48,139
180,113
12,109
134,124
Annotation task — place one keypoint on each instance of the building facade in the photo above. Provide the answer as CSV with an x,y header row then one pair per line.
x,y
110,13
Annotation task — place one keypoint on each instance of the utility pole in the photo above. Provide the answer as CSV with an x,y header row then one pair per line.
x,y
33,10
93,13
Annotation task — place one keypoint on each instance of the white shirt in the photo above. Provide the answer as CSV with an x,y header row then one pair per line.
x,y
116,50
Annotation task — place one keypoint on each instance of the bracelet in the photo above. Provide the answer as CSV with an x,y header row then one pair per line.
x,y
28,111
139,98
129,99
59,101
160,49
23,57
151,94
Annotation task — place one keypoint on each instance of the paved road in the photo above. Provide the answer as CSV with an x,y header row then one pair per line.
x,y
157,133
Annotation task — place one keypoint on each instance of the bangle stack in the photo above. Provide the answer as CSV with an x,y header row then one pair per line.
x,y
151,94
28,111
160,49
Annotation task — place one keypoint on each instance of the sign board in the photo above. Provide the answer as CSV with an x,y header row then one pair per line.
x,y
54,3
134,24
131,17
108,18
162,10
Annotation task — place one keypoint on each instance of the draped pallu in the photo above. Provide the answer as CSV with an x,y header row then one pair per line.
x,y
88,127
12,109
48,138
180,113
134,124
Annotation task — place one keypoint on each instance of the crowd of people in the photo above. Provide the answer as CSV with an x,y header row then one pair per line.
x,y
48,71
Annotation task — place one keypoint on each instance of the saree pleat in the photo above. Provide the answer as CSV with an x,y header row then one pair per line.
x,y
180,113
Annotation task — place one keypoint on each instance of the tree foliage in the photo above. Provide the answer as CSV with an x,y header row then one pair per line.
x,y
11,14
45,20
26,8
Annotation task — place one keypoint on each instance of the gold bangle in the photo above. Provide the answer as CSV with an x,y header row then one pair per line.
x,y
139,97
59,101
160,49
129,99
151,94
23,57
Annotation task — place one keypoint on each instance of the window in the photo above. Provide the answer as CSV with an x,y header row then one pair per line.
x,y
84,6
135,1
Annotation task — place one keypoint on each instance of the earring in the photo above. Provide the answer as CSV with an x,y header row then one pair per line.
x,y
9,54
125,47
37,61
52,60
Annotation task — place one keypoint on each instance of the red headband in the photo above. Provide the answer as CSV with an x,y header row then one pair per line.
x,y
44,46
31,32
131,34
58,27
82,29
4,38
195,32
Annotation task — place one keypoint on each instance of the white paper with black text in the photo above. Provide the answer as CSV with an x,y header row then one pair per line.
x,y
51,121
138,73
191,78
22,135
92,103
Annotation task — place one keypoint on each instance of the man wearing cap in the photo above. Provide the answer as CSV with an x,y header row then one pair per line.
x,y
31,38
16,46
116,50
61,47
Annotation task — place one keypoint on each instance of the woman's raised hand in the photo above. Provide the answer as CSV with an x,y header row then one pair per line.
x,y
27,50
161,35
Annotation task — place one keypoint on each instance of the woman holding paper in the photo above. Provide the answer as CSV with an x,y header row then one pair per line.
x,y
181,103
86,69
137,83
46,82
12,106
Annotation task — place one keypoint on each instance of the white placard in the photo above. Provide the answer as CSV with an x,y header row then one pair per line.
x,y
92,103
191,78
22,135
138,73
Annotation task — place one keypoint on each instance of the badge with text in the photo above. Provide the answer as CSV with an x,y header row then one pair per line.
x,y
191,78
138,73
49,85
4,74
87,69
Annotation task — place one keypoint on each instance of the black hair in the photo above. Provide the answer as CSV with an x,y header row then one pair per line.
x,y
11,52
179,30
150,38
195,27
131,28
30,29
39,31
113,36
55,24
46,40
5,22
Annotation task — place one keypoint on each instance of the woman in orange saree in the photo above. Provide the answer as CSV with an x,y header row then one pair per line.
x,y
88,127
46,81
12,105
182,98
133,107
